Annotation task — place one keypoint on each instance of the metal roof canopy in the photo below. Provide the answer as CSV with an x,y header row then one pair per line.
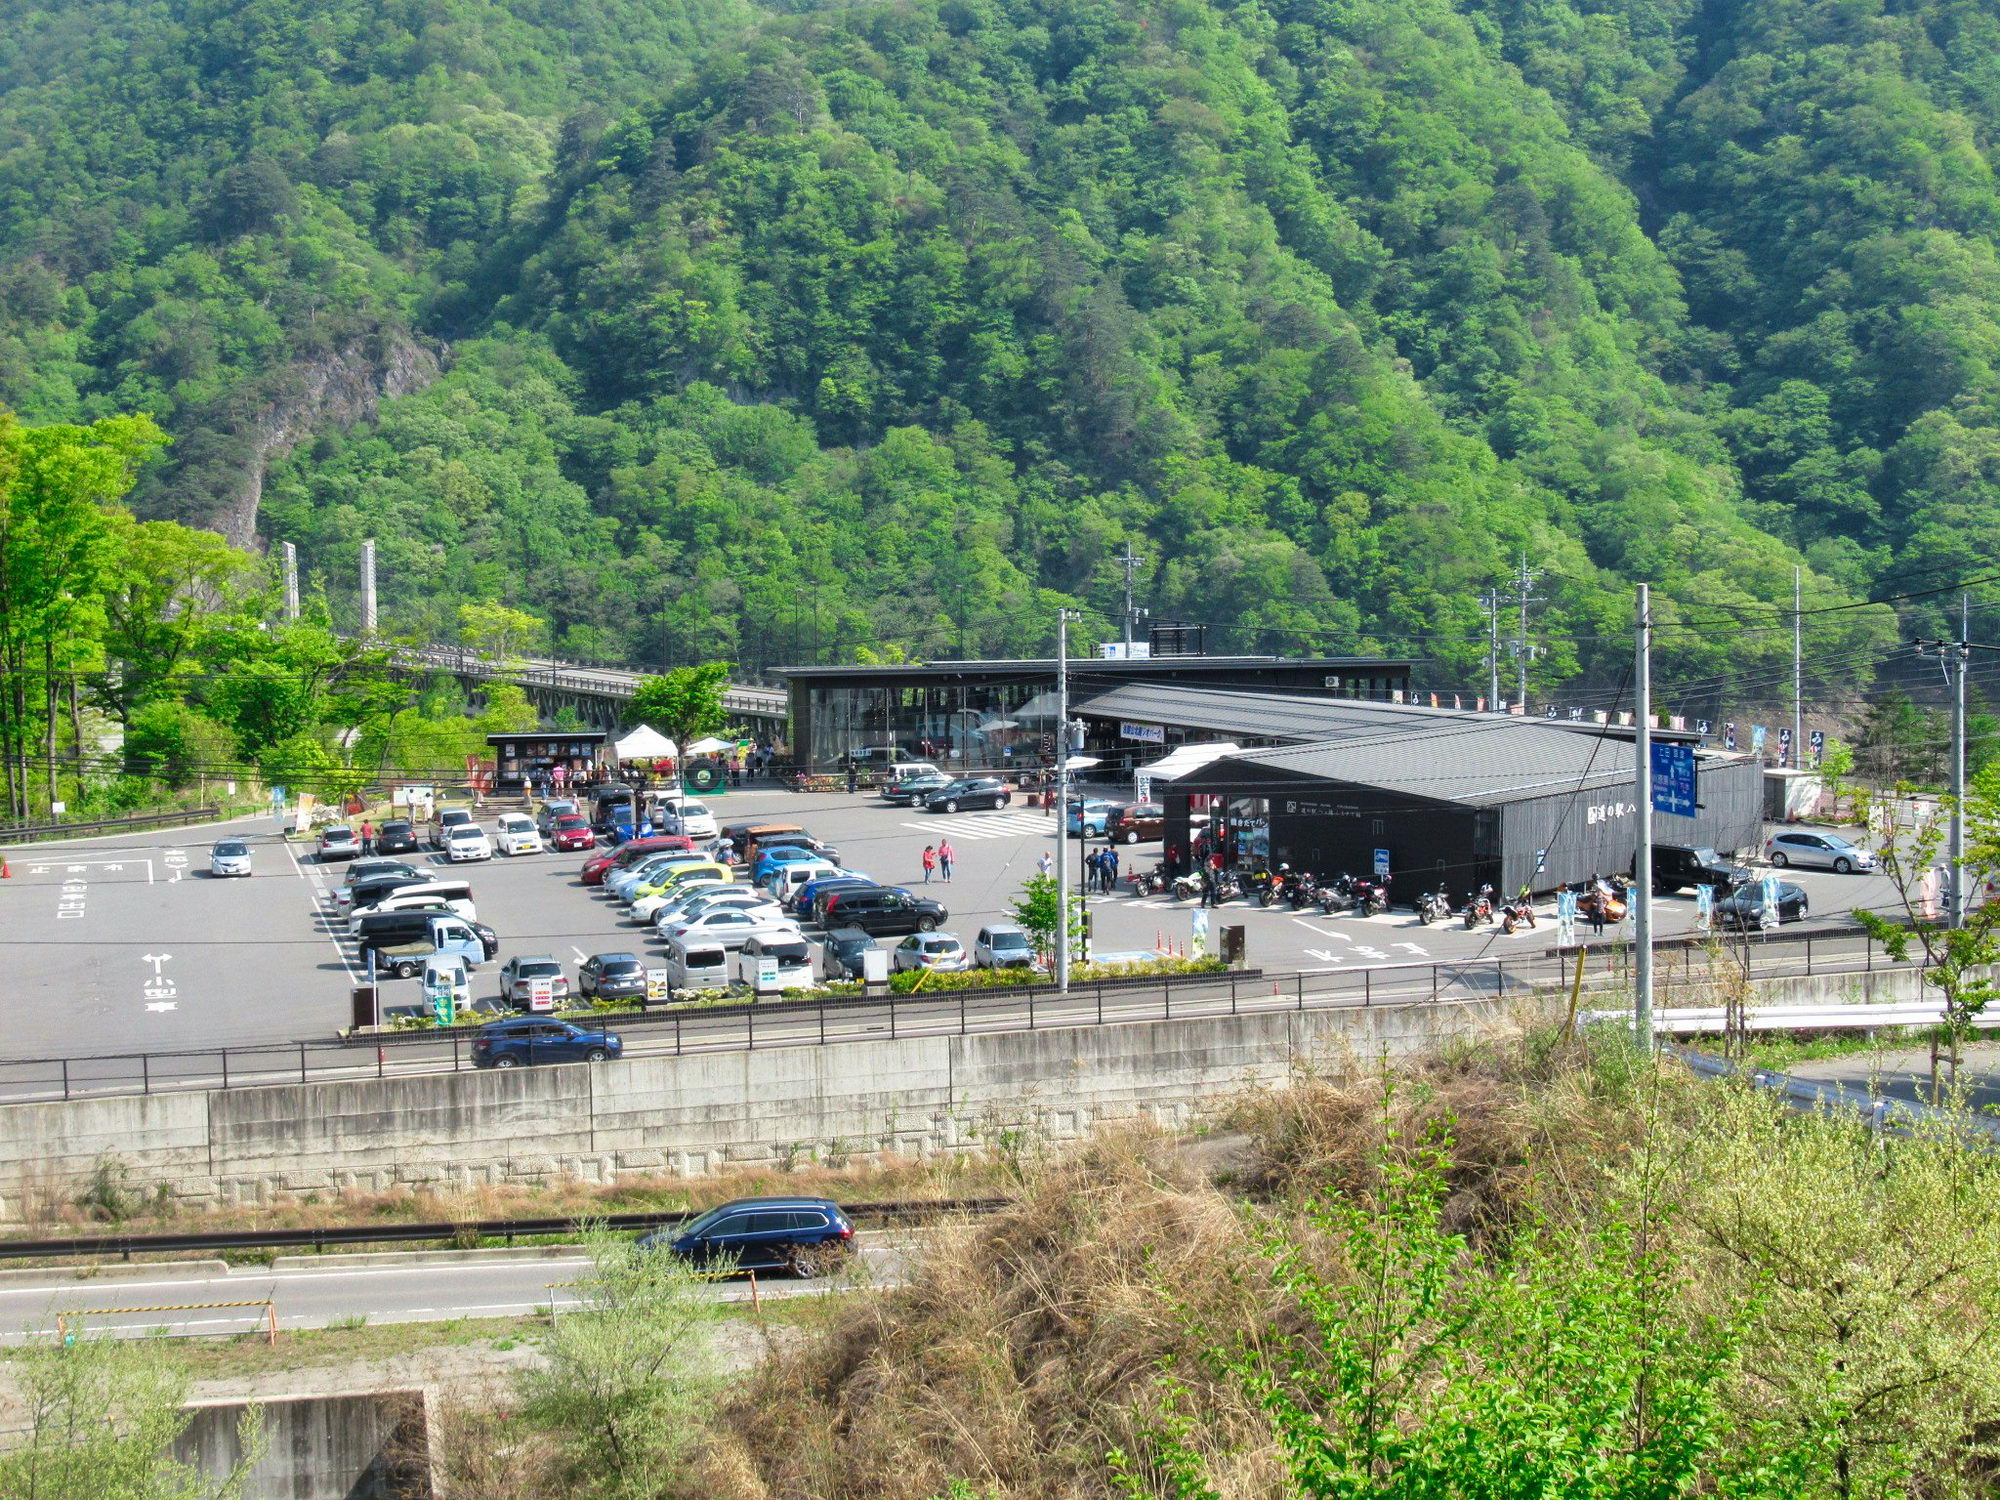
x,y
1087,666
1254,714
1480,760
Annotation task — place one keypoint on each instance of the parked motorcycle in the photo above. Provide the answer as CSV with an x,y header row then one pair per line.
x,y
1303,892
1336,894
1479,907
1226,888
1187,887
1371,897
1517,913
1434,906
1150,882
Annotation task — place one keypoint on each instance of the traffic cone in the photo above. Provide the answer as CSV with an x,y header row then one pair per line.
x,y
5,873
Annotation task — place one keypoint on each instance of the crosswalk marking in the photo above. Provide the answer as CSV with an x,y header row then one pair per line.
x,y
987,825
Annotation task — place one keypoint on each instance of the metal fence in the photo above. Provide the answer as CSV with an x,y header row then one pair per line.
x,y
21,833
825,1020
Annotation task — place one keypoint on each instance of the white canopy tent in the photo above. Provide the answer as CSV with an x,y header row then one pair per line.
x,y
645,743
709,746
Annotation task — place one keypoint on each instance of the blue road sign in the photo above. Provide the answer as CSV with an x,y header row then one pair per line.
x,y
1673,779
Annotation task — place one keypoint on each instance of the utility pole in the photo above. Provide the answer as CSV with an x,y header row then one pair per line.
x,y
1642,863
1493,651
1524,595
291,581
368,587
1063,617
1131,566
1798,756
1954,656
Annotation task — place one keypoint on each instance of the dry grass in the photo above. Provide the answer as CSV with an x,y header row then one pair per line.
x,y
1032,1344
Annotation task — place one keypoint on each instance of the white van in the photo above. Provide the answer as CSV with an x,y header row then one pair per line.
x,y
775,961
696,963
517,834
784,880
903,770
454,896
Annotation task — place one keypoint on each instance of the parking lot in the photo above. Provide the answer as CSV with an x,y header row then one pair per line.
x,y
128,945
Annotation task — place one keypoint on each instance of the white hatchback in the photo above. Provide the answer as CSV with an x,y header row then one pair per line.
x,y
466,841
519,835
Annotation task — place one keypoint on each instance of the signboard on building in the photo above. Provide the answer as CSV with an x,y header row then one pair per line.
x,y
1150,734
1673,779
1381,864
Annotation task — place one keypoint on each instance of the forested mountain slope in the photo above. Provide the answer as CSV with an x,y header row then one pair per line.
x,y
712,330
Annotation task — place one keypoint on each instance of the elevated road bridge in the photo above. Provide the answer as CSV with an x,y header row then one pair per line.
x,y
596,693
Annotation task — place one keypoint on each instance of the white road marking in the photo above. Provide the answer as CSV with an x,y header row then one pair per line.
x,y
1322,955
579,952
162,1005
1332,932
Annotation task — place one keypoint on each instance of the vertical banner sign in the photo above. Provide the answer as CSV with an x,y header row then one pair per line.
x,y
1729,735
1767,905
1817,739
1784,747
1565,918
1704,907
1757,733
1701,727
1673,779
1198,933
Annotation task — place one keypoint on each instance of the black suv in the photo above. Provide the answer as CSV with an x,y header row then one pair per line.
x,y
883,912
1677,866
396,836
973,791
840,953
806,1236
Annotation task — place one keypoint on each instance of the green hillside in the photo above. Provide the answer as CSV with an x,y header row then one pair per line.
x,y
711,330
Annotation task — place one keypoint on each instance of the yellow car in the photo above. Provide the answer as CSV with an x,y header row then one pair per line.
x,y
674,877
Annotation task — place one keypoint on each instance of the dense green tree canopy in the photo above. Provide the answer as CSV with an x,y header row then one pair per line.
x,y
774,333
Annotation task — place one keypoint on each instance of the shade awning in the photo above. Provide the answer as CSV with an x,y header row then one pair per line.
x,y
710,745
645,743
1188,758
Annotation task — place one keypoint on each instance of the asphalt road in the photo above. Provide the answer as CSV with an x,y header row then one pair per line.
x,y
126,945
196,1301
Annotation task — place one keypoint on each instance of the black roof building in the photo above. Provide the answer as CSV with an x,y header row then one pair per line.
x,y
1460,800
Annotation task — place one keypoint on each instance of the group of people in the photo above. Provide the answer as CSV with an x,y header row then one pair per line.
x,y
938,860
1100,871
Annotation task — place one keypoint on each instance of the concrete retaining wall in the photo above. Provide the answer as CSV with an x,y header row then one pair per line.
x,y
692,1116
362,1447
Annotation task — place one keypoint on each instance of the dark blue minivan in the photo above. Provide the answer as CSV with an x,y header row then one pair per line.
x,y
806,1236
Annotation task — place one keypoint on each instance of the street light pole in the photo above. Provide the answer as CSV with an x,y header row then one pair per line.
x,y
1642,863
1063,617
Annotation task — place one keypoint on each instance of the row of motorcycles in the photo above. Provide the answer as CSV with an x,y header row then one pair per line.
x,y
1355,895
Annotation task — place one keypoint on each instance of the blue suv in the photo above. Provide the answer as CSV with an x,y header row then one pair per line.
x,y
806,1236
541,1039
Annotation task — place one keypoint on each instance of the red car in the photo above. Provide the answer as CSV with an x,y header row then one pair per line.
x,y
601,864
572,831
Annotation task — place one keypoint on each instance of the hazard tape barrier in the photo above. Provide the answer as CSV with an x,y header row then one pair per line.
x,y
270,1313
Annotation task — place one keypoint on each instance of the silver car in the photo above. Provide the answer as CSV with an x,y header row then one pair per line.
x,y
1817,851
229,857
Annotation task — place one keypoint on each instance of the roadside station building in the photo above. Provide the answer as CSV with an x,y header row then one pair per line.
x,y
1433,797
989,714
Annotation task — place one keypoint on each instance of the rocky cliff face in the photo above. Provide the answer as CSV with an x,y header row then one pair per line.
x,y
217,475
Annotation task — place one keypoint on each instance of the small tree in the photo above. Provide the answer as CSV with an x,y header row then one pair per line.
x,y
1039,911
1954,960
685,704
628,1376
496,630
100,1417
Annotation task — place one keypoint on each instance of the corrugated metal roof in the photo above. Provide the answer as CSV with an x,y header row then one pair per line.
x,y
1473,759
1264,716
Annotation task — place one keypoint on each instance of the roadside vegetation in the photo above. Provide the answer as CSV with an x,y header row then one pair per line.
x,y
1526,1268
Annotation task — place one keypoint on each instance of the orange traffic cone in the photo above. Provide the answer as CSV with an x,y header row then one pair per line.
x,y
5,873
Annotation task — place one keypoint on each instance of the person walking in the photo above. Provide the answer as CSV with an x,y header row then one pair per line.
x,y
1596,912
1046,864
1110,871
1093,865
930,861
946,855
367,837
